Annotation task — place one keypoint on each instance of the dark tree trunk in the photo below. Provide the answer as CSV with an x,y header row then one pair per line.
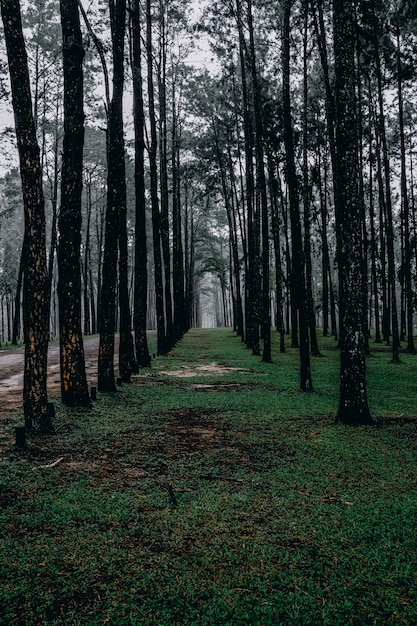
x,y
116,225
382,243
127,361
389,226
265,305
35,285
362,193
54,201
156,230
228,196
306,199
320,31
141,272
17,312
409,295
297,275
373,242
252,278
178,280
235,217
87,313
163,178
74,390
353,405
373,250
189,257
324,246
275,223
291,315
115,184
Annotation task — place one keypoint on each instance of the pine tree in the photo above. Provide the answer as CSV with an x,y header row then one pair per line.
x,y
353,402
74,389
35,285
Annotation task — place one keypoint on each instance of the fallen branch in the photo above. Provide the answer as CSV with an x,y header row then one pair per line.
x,y
49,464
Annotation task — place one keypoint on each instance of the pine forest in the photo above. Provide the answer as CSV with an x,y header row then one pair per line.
x,y
196,180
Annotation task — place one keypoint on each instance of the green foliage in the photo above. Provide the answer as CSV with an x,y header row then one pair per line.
x,y
225,497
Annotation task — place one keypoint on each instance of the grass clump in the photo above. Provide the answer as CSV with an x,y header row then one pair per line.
x,y
219,496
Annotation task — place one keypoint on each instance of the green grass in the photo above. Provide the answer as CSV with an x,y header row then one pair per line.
x,y
240,502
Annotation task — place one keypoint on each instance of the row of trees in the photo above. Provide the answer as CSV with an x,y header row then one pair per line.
x,y
285,168
321,135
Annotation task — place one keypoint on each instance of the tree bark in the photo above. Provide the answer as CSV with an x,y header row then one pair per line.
x,y
156,227
253,264
141,257
106,380
178,280
265,305
74,390
306,199
275,225
389,226
407,274
353,403
35,284
163,178
298,292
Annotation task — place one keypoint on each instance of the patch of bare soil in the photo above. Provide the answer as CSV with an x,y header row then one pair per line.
x,y
188,371
219,386
194,428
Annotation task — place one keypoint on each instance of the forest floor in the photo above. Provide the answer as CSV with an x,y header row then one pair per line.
x,y
211,491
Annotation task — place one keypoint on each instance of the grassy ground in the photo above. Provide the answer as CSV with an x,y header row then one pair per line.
x,y
226,497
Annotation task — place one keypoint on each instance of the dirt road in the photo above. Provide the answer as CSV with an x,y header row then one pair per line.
x,y
11,372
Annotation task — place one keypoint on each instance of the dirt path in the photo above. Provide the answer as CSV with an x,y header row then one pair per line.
x,y
11,372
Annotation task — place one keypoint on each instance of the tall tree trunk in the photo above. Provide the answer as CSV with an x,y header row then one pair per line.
x,y
306,199
127,360
373,244
156,230
228,196
409,295
324,244
163,177
353,403
361,191
74,390
141,257
252,277
54,202
320,31
382,240
35,314
17,301
297,275
178,280
275,223
265,308
86,265
116,195
389,226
